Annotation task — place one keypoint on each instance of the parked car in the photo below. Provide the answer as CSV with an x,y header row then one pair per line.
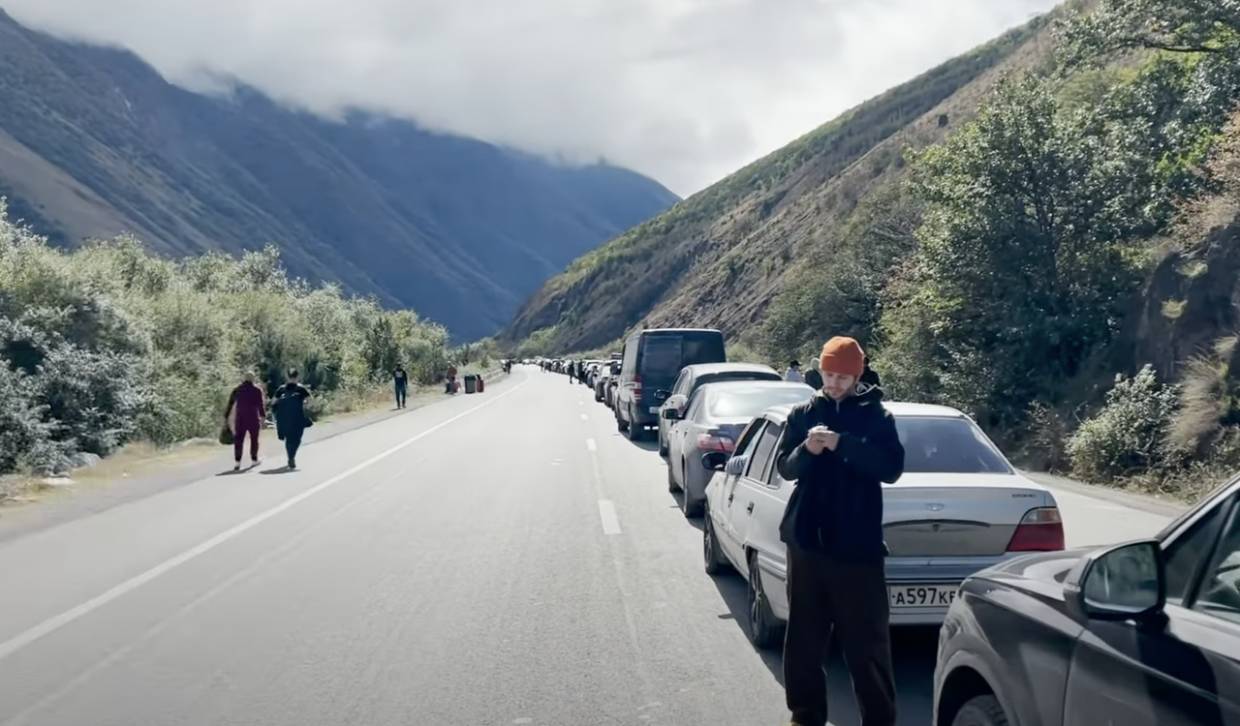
x,y
601,380
609,393
694,376
715,416
652,361
1139,633
958,508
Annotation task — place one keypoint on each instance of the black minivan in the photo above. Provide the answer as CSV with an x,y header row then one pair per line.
x,y
651,361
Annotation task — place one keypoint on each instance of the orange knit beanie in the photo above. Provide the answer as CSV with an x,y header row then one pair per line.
x,y
843,356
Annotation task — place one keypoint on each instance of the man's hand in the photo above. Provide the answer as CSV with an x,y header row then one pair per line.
x,y
821,439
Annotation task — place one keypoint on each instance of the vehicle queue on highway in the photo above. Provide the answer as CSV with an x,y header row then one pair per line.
x,y
1030,633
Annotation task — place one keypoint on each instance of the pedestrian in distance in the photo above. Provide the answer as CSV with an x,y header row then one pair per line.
x,y
290,413
793,374
839,448
244,416
400,380
813,378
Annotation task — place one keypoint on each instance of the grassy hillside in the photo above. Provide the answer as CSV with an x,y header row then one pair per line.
x,y
715,257
94,143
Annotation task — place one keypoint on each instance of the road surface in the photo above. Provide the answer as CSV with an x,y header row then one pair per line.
x,y
505,558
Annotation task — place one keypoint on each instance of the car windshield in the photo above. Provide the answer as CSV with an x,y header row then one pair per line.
x,y
947,445
749,402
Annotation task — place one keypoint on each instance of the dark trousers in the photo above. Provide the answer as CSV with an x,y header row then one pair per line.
x,y
848,600
292,442
243,429
400,396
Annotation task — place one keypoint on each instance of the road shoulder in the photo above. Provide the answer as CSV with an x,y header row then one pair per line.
x,y
1142,502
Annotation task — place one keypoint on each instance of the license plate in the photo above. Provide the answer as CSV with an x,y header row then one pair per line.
x,y
921,596
654,409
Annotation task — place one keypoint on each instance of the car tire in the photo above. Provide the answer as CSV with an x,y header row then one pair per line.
x,y
635,429
981,711
621,426
716,563
764,630
672,486
662,445
692,508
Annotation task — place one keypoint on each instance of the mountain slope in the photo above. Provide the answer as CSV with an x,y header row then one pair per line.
x,y
93,142
718,257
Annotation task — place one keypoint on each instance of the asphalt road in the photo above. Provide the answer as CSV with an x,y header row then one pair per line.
x,y
505,558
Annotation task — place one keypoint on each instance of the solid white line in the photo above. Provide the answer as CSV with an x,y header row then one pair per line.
x,y
611,521
591,445
54,623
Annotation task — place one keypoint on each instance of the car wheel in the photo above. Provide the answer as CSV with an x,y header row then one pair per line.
x,y
672,486
621,426
635,429
662,444
692,508
764,630
981,711
715,562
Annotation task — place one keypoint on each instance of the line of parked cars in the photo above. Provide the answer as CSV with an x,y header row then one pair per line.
x,y
1031,634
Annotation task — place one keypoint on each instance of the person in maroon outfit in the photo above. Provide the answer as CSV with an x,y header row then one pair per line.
x,y
247,399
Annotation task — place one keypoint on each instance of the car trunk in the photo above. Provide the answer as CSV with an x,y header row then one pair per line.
x,y
955,515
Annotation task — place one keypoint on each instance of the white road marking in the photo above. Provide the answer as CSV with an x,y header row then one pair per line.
x,y
607,511
56,622
591,445
585,417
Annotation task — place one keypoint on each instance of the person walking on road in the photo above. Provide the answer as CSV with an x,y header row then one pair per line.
x,y
839,447
400,380
793,374
813,378
290,413
244,416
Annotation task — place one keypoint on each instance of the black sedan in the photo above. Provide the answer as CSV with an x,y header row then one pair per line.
x,y
1141,633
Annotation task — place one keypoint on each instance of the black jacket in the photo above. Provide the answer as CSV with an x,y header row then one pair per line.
x,y
289,408
837,506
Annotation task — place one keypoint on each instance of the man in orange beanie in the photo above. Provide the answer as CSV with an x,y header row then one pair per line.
x,y
839,447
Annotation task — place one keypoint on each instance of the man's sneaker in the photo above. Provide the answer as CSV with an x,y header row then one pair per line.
x,y
292,464
237,466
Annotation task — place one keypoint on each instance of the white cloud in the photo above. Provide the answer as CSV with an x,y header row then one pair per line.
x,y
683,90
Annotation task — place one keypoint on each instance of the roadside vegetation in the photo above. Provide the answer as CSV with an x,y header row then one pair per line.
x,y
108,344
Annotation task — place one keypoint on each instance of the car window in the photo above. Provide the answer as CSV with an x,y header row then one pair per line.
x,y
1186,555
749,437
947,445
703,348
661,357
775,480
747,403
682,384
695,407
762,452
1219,593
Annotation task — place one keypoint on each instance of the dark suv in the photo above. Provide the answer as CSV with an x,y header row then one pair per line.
x,y
652,359
1137,634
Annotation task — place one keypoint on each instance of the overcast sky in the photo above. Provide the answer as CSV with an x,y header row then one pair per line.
x,y
683,90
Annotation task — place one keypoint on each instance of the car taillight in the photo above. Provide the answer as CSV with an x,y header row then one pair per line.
x,y
709,442
637,385
1040,530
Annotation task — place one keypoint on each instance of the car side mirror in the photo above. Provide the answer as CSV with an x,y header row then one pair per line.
x,y
671,414
714,460
736,465
1123,582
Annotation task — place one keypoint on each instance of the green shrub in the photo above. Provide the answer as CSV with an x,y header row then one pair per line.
x,y
1127,435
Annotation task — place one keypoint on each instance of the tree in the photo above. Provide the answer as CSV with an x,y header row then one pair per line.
x,y
1176,26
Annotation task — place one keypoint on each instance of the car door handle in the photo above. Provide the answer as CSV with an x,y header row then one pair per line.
x,y
749,509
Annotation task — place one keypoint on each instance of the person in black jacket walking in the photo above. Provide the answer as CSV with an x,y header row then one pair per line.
x,y
839,447
289,406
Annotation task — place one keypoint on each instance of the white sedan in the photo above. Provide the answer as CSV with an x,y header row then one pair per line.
x,y
958,508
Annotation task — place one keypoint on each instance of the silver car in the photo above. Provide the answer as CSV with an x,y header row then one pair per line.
x,y
714,417
699,374
960,507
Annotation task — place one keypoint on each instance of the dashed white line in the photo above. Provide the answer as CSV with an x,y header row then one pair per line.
x,y
591,445
56,622
611,521
585,417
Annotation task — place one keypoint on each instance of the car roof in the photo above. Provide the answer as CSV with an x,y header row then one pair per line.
x,y
707,368
749,385
712,331
900,409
